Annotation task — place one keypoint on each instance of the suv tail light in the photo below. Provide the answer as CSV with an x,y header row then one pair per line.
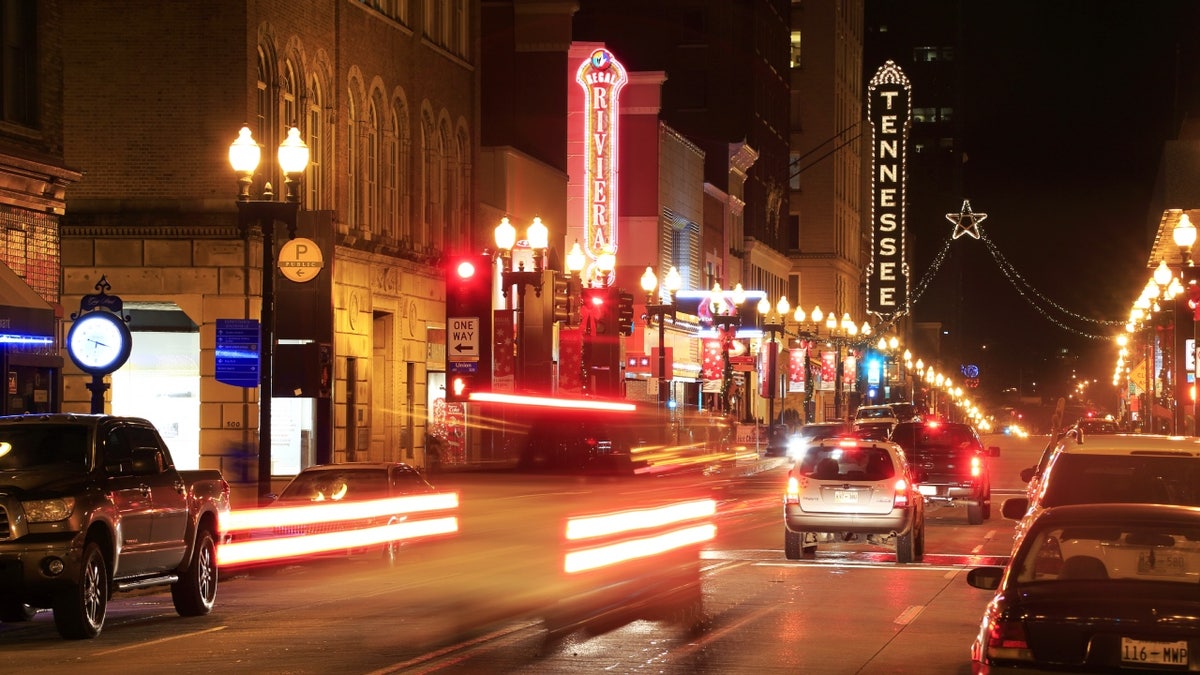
x,y
792,493
900,501
976,466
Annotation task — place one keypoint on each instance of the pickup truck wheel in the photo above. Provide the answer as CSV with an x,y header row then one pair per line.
x,y
975,515
196,591
79,611
12,611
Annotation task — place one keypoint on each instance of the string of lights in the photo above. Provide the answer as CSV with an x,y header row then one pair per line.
x,y
1031,295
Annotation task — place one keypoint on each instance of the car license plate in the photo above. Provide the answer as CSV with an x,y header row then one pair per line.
x,y
1154,653
1161,564
845,496
927,489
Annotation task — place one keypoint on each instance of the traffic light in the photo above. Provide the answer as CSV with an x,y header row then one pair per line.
x,y
625,312
459,386
469,279
561,297
598,312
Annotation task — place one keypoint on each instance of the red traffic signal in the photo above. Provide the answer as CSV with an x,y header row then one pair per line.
x,y
1193,292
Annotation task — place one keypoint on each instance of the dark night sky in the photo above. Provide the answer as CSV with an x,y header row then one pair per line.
x,y
1068,104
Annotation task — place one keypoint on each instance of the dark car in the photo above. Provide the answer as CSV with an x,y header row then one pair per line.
x,y
953,465
349,482
1099,587
793,444
1092,425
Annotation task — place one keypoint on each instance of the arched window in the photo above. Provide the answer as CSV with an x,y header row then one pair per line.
x,y
371,169
430,188
462,196
265,126
288,92
402,174
315,137
446,168
353,207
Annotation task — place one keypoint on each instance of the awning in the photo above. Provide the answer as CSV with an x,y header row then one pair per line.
x,y
22,311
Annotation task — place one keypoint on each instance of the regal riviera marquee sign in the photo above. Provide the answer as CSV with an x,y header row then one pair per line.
x,y
889,108
602,78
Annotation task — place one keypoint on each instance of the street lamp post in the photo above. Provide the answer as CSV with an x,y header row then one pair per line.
x,y
244,156
781,310
660,311
726,320
538,239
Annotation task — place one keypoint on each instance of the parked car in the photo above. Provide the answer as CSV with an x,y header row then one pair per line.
x,y
954,465
1122,468
1099,587
349,482
876,431
93,504
1095,425
841,488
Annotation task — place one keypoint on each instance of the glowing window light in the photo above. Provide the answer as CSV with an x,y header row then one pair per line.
x,y
328,512
278,548
640,519
547,402
603,556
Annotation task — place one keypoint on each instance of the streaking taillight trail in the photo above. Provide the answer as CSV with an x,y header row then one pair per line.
x,y
410,517
613,538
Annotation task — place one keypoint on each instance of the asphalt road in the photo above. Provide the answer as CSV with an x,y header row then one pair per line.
x,y
494,598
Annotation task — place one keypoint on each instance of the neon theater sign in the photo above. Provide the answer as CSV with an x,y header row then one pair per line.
x,y
602,78
889,108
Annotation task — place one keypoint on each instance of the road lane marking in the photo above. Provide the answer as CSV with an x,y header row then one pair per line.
x,y
909,614
461,649
139,645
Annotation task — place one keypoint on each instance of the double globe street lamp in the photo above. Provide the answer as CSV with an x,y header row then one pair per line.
x,y
659,311
538,242
260,215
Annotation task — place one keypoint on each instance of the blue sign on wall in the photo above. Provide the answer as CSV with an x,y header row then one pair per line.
x,y
239,349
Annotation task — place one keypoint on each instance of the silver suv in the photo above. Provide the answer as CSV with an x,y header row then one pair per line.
x,y
845,487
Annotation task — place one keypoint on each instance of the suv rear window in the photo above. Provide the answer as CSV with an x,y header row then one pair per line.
x,y
847,463
1087,479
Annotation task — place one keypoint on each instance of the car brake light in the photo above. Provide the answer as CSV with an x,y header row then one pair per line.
x,y
933,424
900,501
976,467
1006,641
792,494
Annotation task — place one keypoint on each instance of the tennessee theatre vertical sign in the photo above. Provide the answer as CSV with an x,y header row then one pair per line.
x,y
602,78
889,107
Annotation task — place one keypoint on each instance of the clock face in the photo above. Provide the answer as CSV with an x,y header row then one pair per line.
x,y
98,343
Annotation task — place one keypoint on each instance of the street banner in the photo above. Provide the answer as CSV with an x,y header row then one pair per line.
x,y
504,351
796,357
712,366
828,371
570,361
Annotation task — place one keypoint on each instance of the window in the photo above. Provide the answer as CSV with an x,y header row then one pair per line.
x,y
353,208
925,54
795,53
371,169
314,137
18,79
924,114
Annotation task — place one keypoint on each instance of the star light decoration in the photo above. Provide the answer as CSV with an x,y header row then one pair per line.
x,y
966,221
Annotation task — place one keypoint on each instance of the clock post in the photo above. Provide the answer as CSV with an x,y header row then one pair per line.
x,y
99,341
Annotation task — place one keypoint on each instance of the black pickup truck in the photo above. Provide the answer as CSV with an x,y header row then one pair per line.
x,y
953,465
93,504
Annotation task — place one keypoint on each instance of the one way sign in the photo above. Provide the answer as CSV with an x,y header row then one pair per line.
x,y
463,338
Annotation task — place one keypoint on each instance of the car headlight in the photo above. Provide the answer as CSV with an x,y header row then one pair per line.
x,y
48,510
795,447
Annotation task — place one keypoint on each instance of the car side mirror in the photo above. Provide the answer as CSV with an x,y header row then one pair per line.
x,y
146,462
1028,473
993,451
987,578
1014,508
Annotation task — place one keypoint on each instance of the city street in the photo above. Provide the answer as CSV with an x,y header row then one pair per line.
x,y
494,599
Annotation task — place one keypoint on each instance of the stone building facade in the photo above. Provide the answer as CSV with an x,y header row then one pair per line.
x,y
384,94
